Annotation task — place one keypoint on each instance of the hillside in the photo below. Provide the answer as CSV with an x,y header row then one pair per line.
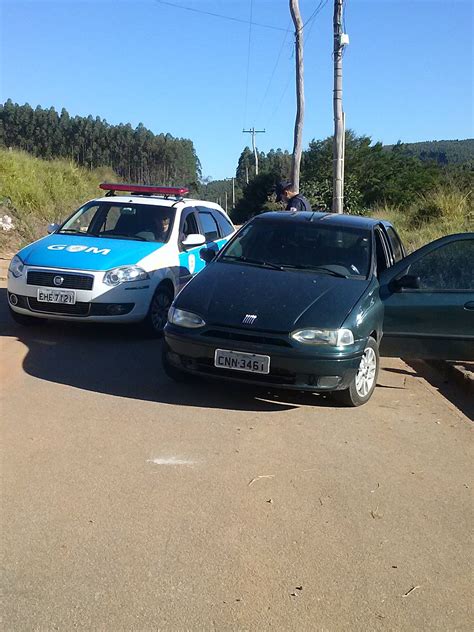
x,y
443,152
34,192
137,155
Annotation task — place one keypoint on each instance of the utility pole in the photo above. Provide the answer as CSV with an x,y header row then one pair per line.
x,y
298,134
226,201
341,39
254,131
233,190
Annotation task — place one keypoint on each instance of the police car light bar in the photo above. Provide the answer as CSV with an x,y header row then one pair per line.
x,y
143,189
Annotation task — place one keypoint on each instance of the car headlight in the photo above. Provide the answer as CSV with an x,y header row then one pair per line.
x,y
124,274
184,319
331,337
16,266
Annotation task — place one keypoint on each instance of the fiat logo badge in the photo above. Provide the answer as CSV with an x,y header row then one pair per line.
x,y
249,319
58,280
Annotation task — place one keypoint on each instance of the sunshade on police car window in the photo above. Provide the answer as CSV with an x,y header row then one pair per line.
x,y
121,220
342,251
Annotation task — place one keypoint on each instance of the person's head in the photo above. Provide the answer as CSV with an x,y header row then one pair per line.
x,y
285,191
159,225
162,223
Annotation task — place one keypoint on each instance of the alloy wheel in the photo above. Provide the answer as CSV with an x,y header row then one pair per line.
x,y
366,372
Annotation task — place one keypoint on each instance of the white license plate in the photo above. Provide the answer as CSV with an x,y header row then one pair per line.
x,y
67,297
251,362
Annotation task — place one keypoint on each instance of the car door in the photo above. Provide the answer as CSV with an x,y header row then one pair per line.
x,y
189,260
428,300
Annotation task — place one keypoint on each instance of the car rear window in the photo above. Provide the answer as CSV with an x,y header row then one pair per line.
x,y
305,245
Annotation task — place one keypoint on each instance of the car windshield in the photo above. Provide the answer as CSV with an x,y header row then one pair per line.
x,y
326,249
122,220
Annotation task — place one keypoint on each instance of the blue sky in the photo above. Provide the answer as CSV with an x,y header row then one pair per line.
x,y
408,71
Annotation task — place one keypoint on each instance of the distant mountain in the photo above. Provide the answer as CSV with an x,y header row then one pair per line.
x,y
443,152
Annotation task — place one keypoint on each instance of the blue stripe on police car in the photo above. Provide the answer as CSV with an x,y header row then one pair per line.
x,y
86,253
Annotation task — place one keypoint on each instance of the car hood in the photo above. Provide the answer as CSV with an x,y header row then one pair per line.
x,y
224,293
85,253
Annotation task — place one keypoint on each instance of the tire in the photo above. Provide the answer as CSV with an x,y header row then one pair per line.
x,y
24,320
365,380
177,375
158,311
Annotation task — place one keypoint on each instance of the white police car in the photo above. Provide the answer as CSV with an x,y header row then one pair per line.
x,y
117,259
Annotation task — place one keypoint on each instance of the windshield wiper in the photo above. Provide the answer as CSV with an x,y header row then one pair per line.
x,y
73,231
323,269
113,235
250,261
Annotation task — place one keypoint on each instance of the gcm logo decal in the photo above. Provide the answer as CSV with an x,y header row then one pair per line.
x,y
91,249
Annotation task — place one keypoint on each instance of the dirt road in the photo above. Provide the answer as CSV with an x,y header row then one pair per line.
x,y
132,503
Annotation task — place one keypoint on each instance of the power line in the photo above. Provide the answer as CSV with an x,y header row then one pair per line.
x,y
248,63
219,15
273,71
318,10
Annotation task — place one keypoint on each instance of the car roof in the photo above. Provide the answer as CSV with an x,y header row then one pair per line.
x,y
332,219
159,201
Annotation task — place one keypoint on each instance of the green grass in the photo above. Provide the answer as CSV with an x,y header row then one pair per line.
x,y
35,192
443,211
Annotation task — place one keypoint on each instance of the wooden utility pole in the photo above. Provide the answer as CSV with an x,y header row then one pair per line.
x,y
233,190
339,131
254,131
298,135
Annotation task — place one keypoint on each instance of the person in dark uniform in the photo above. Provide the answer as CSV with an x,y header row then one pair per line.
x,y
294,201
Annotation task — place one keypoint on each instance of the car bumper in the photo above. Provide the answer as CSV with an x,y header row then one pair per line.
x,y
290,367
124,303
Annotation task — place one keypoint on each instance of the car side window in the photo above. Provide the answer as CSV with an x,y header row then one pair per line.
x,y
381,252
449,267
396,244
224,224
188,225
209,226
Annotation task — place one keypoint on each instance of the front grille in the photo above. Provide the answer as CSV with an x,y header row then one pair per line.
x,y
70,282
78,309
253,338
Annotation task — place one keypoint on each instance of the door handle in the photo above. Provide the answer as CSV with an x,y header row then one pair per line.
x,y
469,305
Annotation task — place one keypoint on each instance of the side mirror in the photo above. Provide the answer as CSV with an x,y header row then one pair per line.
x,y
408,281
52,228
193,240
207,254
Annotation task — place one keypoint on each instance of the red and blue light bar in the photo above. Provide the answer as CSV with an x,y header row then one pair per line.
x,y
144,189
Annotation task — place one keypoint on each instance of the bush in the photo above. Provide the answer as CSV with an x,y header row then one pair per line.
x,y
444,211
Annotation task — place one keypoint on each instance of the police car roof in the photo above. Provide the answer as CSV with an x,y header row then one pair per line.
x,y
332,219
156,200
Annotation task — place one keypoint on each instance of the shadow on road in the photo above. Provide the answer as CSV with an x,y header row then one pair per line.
x,y
449,390
119,360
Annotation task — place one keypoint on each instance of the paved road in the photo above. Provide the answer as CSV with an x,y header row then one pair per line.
x,y
130,503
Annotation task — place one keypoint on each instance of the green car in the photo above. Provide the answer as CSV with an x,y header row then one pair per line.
x,y
309,301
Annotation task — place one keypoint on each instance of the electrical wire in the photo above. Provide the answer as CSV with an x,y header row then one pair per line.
x,y
274,70
219,15
248,64
318,10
